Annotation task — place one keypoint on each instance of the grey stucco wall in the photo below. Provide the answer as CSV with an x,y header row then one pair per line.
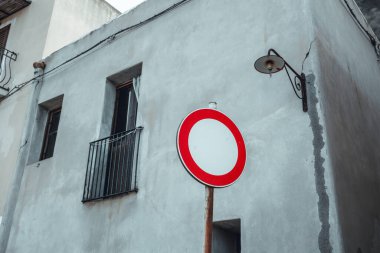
x,y
349,84
73,19
36,31
202,51
27,36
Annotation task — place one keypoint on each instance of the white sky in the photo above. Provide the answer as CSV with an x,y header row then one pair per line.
x,y
124,5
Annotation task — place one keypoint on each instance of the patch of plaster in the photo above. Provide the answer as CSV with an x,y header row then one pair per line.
x,y
319,171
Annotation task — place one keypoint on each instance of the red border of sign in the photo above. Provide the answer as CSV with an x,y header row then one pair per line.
x,y
188,161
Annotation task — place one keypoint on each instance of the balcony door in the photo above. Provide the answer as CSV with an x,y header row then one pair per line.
x,y
124,117
121,147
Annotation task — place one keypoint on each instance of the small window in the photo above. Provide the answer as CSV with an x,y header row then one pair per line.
x,y
226,236
50,134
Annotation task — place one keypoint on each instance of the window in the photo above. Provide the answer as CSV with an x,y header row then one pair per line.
x,y
112,161
124,121
3,40
44,133
226,236
124,116
50,134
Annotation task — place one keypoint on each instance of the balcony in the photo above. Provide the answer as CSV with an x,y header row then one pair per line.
x,y
9,7
6,58
111,166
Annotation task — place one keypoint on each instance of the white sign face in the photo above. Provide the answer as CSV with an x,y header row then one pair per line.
x,y
213,147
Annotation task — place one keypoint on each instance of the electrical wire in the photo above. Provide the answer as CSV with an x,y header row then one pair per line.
x,y
369,35
146,21
96,45
307,54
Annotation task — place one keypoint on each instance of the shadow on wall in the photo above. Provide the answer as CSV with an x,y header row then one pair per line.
x,y
352,123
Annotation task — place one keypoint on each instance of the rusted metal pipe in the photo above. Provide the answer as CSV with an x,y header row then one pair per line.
x,y
209,211
22,159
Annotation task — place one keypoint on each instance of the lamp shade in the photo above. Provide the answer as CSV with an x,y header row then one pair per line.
x,y
269,64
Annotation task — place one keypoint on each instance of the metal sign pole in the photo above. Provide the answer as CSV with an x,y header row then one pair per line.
x,y
209,212
209,218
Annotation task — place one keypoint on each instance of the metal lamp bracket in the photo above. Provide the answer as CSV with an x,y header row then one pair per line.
x,y
299,83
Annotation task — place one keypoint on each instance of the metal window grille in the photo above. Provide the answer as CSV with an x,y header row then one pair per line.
x,y
112,166
6,57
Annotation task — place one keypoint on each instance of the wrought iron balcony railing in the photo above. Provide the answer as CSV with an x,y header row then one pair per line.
x,y
6,58
111,166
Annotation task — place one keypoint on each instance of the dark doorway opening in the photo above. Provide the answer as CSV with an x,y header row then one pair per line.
x,y
122,141
226,236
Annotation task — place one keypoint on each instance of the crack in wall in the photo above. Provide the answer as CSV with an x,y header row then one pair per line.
x,y
319,171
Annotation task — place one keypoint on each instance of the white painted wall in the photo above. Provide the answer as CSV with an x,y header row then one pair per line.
x,y
72,19
203,51
36,31
348,80
27,36
287,198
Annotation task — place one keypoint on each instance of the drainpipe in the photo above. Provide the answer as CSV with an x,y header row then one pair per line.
x,y
10,206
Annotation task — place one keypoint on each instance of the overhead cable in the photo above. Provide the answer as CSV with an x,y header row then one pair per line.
x,y
372,38
96,45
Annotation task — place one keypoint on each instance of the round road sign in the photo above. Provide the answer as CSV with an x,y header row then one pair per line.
x,y
211,148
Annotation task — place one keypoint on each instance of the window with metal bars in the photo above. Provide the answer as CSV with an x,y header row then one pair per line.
x,y
112,161
50,134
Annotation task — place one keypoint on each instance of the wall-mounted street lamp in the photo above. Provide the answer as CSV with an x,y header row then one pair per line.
x,y
270,64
